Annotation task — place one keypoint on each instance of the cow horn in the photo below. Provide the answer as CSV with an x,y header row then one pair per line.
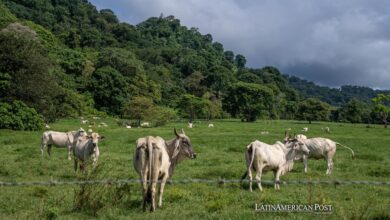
x,y
182,131
174,130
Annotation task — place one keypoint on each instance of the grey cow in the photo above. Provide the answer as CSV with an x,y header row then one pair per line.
x,y
85,149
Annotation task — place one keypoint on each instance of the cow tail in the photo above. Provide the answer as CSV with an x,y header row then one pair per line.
x,y
353,154
150,152
252,158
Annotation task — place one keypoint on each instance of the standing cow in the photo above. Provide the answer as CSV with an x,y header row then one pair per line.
x,y
86,148
261,157
155,160
321,148
60,139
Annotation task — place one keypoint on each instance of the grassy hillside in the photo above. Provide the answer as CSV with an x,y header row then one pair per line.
x,y
220,155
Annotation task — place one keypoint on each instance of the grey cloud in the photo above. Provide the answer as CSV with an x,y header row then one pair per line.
x,y
329,42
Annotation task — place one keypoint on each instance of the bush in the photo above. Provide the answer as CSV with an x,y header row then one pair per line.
x,y
18,116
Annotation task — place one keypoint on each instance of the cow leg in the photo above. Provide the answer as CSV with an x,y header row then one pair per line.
x,y
49,149
144,189
42,148
69,152
304,158
163,181
250,178
277,179
258,178
330,166
153,194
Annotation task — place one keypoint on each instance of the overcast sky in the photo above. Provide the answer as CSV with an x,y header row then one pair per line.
x,y
329,42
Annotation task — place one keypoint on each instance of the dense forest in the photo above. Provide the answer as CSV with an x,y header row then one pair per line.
x,y
66,59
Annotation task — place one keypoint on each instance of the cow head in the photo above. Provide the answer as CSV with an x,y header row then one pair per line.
x,y
299,146
95,137
183,145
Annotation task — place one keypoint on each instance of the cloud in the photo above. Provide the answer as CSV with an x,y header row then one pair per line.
x,y
330,42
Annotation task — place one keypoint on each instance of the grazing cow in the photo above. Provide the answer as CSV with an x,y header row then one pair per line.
x,y
155,159
211,125
326,129
145,124
86,147
278,157
190,125
305,129
60,139
320,148
128,126
84,121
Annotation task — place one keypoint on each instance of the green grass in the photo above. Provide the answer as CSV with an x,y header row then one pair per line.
x,y
220,155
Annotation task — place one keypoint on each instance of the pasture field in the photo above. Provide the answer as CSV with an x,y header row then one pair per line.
x,y
219,155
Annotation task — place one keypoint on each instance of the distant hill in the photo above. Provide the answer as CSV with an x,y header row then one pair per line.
x,y
336,97
66,58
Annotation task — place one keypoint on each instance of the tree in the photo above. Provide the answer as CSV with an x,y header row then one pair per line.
x,y
109,89
353,111
229,56
192,107
240,61
313,110
381,107
138,108
248,100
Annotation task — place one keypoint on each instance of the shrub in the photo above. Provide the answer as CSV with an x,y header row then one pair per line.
x,y
18,116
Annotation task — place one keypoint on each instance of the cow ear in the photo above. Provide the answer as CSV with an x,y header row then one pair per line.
x,y
182,131
174,130
177,149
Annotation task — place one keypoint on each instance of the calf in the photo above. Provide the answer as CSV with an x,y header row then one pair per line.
x,y
86,148
155,159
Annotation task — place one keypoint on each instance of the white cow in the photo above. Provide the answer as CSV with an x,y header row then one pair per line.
x,y
61,140
128,126
190,125
145,124
321,148
305,129
155,159
86,148
211,125
84,121
326,129
278,157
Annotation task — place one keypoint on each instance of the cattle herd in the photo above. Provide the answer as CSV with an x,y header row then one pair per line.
x,y
155,159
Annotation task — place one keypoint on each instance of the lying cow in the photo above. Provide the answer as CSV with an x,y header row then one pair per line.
x,y
61,140
86,148
155,159
278,157
320,148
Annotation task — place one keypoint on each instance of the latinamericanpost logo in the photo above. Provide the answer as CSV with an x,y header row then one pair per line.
x,y
312,208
